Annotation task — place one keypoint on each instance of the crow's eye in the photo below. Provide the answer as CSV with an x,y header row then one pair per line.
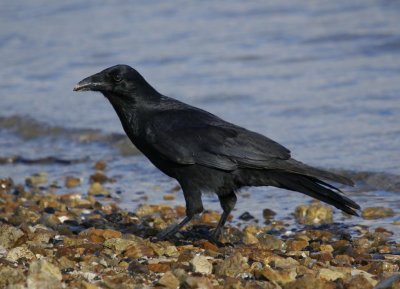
x,y
117,77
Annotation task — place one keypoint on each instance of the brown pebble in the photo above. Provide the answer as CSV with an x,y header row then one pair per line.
x,y
322,256
280,276
100,235
296,245
231,266
210,217
198,282
139,250
72,182
268,214
359,282
159,267
180,211
169,197
377,213
100,165
270,242
169,280
326,248
208,246
343,260
99,177
309,281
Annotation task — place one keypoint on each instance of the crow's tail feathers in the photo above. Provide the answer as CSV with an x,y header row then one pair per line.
x,y
300,168
318,189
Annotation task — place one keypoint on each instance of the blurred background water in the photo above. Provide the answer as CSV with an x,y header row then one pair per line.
x,y
320,77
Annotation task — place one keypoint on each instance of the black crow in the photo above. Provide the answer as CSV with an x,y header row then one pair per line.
x,y
205,153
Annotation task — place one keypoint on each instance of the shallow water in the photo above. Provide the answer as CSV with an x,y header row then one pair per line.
x,y
322,78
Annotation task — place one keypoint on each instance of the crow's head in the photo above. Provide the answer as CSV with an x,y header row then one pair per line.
x,y
118,80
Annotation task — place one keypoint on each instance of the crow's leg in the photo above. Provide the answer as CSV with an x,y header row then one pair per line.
x,y
227,203
194,206
171,230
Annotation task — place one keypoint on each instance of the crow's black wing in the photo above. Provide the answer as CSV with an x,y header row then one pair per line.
x,y
192,136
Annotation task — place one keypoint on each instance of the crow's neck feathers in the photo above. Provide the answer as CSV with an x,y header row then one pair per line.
x,y
131,106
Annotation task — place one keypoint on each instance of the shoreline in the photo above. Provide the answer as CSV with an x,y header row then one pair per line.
x,y
75,240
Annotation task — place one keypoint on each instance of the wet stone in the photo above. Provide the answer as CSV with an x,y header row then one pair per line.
x,y
97,189
246,216
72,182
315,213
169,197
268,214
377,213
37,179
101,178
6,185
100,165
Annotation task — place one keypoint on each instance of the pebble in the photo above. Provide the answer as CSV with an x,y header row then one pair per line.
x,y
316,213
43,275
377,213
269,242
268,214
250,239
330,275
10,276
97,189
100,235
100,165
9,235
280,276
198,283
308,281
231,266
72,182
296,245
169,280
20,252
169,197
99,177
246,216
37,179
200,264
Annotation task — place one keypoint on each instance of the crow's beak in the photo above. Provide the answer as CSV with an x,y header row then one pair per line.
x,y
95,82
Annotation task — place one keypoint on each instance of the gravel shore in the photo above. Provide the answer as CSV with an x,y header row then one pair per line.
x,y
84,240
